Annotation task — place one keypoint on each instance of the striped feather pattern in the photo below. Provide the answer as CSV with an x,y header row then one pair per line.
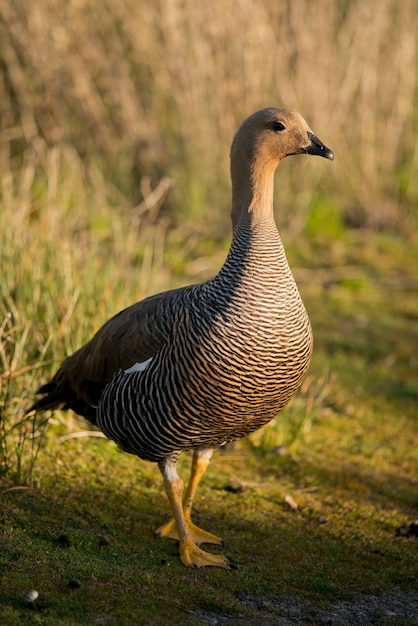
x,y
198,366
239,347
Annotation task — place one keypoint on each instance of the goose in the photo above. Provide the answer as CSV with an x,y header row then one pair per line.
x,y
199,366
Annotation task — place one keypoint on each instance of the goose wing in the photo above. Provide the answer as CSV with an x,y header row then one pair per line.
x,y
132,336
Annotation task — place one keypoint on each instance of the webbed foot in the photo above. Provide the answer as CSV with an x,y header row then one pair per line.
x,y
193,556
198,535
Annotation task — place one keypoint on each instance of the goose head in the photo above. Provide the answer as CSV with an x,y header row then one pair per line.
x,y
260,143
271,134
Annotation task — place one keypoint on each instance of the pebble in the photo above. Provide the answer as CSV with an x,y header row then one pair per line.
x,y
291,503
64,540
74,584
408,530
104,540
234,488
29,598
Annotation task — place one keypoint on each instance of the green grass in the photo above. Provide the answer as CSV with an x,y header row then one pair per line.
x,y
353,463
114,185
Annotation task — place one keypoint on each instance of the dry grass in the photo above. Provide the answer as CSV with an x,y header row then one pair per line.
x,y
115,122
57,257
158,88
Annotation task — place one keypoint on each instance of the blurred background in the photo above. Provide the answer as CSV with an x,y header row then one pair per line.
x,y
115,91
116,119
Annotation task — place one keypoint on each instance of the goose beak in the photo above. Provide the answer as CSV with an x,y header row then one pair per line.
x,y
317,147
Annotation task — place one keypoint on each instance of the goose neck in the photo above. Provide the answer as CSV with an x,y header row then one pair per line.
x,y
252,193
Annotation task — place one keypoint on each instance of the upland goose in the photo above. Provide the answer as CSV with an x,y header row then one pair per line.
x,y
196,367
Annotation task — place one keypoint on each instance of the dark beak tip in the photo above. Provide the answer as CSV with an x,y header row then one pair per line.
x,y
318,148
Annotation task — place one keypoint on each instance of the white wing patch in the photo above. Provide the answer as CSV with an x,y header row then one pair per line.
x,y
138,367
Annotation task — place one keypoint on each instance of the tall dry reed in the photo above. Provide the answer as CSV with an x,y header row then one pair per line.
x,y
157,88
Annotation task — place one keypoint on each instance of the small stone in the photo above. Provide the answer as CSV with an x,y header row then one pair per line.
x,y
280,450
322,519
74,584
291,503
64,540
408,530
234,488
103,540
29,598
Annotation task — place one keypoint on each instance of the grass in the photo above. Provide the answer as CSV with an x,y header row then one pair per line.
x,y
139,89
351,472
115,126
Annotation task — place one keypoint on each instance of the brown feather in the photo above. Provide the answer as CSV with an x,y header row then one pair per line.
x,y
132,336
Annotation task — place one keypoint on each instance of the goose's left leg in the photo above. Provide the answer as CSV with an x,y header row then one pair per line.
x,y
190,554
200,463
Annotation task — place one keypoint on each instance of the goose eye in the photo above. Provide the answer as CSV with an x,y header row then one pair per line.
x,y
278,126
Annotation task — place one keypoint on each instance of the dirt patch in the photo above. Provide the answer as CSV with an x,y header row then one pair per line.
x,y
365,610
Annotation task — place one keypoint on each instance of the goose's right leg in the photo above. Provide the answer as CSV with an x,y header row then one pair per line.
x,y
190,553
200,463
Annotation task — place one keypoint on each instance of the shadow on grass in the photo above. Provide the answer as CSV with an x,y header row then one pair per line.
x,y
124,572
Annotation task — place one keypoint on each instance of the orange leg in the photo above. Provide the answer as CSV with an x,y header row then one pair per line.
x,y
180,526
200,463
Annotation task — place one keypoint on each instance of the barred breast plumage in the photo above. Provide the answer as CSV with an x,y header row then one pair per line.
x,y
198,366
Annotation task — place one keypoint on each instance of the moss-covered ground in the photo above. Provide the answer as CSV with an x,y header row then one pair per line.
x,y
311,522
